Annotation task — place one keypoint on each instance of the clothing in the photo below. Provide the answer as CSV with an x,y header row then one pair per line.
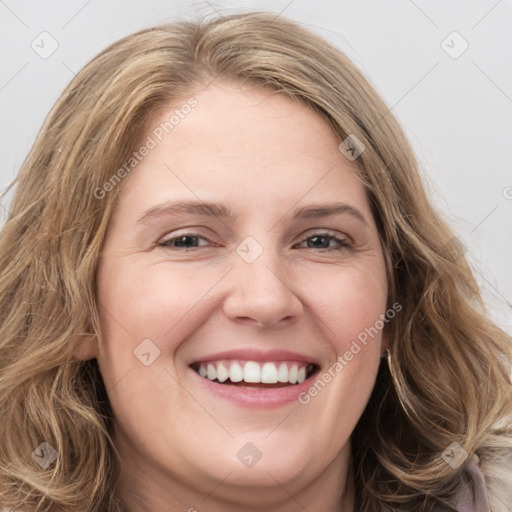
x,y
473,497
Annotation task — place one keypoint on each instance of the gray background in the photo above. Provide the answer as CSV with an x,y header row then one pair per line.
x,y
456,109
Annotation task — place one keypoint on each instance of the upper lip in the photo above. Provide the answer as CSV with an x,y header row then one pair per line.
x,y
257,355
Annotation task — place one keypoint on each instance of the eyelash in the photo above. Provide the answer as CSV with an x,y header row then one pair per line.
x,y
344,244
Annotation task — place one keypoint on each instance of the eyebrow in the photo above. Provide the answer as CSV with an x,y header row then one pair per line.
x,y
221,211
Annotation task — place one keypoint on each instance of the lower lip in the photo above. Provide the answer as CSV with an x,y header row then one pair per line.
x,y
257,397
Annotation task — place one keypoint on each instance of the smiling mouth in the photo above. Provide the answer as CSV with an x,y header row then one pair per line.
x,y
265,375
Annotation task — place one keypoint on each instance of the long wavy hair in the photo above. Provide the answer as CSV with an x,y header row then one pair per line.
x,y
446,379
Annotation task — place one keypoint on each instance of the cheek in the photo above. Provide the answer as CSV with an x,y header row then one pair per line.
x,y
159,302
350,310
347,301
349,304
140,303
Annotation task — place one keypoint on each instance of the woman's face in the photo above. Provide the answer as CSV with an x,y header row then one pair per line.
x,y
243,246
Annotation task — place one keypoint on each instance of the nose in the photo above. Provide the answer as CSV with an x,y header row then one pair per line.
x,y
261,293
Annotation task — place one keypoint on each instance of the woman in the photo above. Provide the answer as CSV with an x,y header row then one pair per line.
x,y
224,288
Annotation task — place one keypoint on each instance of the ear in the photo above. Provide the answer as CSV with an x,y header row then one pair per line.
x,y
86,347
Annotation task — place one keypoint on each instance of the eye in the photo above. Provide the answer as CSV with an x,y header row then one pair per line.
x,y
322,241
184,241
326,242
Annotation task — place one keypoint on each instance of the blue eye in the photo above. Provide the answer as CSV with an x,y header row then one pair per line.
x,y
322,241
186,241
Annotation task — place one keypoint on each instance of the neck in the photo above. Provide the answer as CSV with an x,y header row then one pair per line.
x,y
145,487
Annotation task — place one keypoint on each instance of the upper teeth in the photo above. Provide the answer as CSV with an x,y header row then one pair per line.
x,y
254,372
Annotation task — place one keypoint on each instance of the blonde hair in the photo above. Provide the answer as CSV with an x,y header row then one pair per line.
x,y
447,378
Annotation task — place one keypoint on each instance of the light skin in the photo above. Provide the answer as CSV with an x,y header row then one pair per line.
x,y
263,156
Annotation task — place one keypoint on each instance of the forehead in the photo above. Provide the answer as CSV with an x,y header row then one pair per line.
x,y
244,144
